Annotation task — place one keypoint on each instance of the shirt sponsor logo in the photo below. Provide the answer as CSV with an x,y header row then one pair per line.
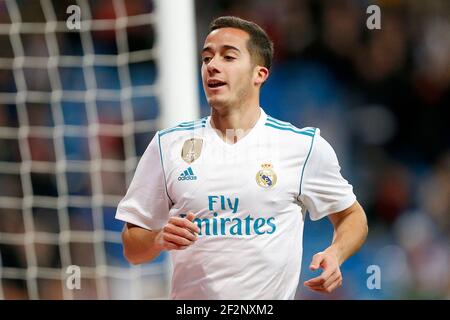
x,y
230,222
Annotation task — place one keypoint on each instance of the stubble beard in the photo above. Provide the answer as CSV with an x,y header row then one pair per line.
x,y
236,101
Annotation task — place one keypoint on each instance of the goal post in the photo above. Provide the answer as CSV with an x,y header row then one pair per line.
x,y
177,46
77,110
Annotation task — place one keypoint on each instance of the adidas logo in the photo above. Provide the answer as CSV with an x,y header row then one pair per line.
x,y
187,174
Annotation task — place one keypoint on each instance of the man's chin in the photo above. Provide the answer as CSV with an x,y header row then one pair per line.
x,y
217,102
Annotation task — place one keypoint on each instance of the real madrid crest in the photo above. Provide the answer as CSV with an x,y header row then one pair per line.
x,y
266,177
191,150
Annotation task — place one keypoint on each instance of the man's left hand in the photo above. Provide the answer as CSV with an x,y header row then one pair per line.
x,y
331,277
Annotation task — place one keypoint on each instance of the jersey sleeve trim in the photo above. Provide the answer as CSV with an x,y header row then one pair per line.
x,y
138,220
306,161
162,165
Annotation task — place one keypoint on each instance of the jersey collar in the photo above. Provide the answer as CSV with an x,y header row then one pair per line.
x,y
253,131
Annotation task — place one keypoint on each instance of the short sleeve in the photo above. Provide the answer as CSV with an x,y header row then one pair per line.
x,y
323,190
146,203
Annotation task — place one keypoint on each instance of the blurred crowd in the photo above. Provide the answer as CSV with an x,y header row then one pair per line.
x,y
380,97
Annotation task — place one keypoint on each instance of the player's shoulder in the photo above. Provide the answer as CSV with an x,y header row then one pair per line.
x,y
287,129
183,128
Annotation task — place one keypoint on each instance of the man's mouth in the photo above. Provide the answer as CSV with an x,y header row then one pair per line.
x,y
216,83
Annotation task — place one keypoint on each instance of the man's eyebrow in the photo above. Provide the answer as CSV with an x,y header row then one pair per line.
x,y
207,49
225,46
228,47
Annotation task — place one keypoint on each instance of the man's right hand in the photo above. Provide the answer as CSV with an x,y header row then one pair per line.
x,y
178,233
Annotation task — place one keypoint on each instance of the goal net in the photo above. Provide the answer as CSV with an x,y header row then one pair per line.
x,y
78,107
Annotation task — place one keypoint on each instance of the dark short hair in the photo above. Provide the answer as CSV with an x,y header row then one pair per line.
x,y
259,45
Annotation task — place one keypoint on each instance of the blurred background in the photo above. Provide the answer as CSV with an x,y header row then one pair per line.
x,y
78,108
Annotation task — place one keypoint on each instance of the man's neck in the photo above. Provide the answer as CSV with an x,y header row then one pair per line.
x,y
234,124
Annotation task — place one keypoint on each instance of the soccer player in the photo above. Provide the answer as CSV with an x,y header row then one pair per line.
x,y
227,194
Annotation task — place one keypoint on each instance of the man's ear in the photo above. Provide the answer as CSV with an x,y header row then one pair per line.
x,y
261,75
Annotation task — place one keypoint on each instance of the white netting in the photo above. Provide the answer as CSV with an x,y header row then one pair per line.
x,y
77,109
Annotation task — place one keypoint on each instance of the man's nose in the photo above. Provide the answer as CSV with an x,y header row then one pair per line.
x,y
213,66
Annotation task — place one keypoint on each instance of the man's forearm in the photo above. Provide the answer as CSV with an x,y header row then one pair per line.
x,y
139,244
350,232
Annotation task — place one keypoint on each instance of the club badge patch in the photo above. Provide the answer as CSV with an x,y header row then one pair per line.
x,y
266,177
191,150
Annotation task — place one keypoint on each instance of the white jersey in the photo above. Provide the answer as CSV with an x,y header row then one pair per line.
x,y
249,199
